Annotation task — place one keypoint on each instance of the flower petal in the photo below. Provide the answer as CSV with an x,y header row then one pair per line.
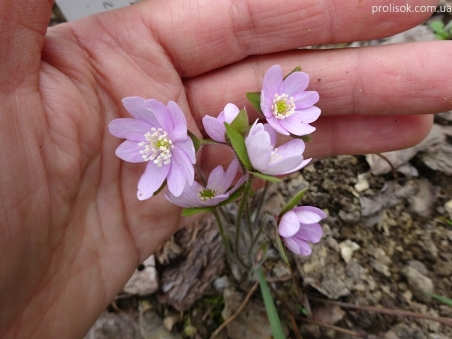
x,y
273,78
161,113
259,150
188,148
288,225
230,174
177,116
151,180
184,164
294,125
129,151
305,99
189,197
215,179
311,232
309,214
130,129
292,148
272,133
276,124
214,128
230,112
295,83
307,115
136,107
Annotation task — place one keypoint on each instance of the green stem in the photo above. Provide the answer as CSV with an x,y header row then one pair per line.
x,y
223,236
238,222
260,203
272,313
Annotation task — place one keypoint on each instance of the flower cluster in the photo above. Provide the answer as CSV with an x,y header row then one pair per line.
x,y
157,135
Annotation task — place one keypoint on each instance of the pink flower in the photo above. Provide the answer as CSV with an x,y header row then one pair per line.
x,y
286,104
260,145
158,136
216,191
300,225
214,127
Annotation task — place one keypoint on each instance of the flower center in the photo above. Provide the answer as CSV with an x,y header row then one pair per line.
x,y
206,194
283,106
157,147
274,156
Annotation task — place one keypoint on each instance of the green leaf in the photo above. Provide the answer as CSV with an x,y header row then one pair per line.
x,y
281,250
437,27
240,123
266,177
255,100
238,144
296,69
195,210
439,36
444,300
272,313
294,201
196,141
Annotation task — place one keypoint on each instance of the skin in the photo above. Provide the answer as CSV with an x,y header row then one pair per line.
x,y
71,228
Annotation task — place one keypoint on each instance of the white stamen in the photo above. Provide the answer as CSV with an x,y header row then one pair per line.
x,y
274,156
157,147
283,106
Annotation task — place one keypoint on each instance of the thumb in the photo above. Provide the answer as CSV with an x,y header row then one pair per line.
x,y
23,24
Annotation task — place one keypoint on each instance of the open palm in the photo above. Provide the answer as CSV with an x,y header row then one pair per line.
x,y
71,228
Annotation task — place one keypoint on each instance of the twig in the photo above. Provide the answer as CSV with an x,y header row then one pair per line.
x,y
402,313
336,328
393,169
232,317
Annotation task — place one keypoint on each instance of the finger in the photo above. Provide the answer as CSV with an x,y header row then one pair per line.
x,y
23,24
340,135
204,35
384,80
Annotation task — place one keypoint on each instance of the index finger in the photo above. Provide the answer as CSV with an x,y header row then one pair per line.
x,y
203,35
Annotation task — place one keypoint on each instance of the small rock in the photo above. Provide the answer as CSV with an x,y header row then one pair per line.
x,y
347,248
441,160
363,182
328,314
448,208
419,266
143,281
418,283
112,326
151,325
380,267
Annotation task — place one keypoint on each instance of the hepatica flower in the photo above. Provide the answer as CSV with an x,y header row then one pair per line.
x,y
286,104
216,191
268,159
158,136
299,226
214,127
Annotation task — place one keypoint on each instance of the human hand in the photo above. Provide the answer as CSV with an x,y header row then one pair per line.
x,y
71,228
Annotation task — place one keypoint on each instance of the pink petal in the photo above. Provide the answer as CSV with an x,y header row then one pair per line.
x,y
259,150
297,246
128,128
230,174
309,214
311,232
177,116
294,147
161,113
136,107
214,128
151,180
276,124
181,172
305,99
215,179
288,225
294,84
307,115
129,151
284,166
230,112
272,80
296,127
189,197
188,148
272,133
